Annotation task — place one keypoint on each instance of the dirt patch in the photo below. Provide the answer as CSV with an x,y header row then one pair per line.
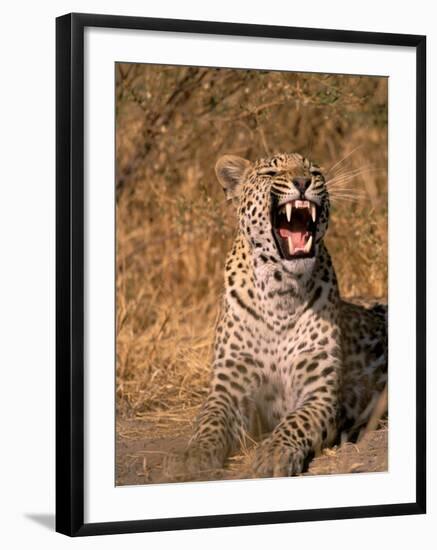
x,y
369,455
140,456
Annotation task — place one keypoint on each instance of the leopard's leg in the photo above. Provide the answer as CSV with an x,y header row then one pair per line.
x,y
219,426
306,428
223,421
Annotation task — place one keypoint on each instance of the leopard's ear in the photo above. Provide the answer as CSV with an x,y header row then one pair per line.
x,y
230,171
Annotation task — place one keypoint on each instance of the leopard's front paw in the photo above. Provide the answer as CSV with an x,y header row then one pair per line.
x,y
196,462
274,458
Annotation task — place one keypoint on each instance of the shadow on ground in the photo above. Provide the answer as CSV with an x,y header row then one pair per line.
x,y
46,520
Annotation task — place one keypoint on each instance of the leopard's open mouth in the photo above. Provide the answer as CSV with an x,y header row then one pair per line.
x,y
294,228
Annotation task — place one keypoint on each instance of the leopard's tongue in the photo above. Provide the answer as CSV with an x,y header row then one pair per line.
x,y
299,238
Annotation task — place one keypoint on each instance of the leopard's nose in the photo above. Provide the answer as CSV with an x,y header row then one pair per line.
x,y
302,183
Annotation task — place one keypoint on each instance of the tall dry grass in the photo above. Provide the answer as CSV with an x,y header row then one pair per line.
x,y
174,227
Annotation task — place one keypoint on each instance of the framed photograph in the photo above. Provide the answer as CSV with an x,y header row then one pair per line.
x,y
240,274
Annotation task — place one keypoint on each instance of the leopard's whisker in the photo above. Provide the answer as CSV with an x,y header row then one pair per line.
x,y
355,192
345,170
350,172
352,197
341,187
348,197
345,199
350,193
343,159
349,175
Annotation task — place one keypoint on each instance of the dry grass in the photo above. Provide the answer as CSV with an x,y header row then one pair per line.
x,y
174,227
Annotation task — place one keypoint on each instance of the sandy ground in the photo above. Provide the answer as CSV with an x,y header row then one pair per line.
x,y
142,448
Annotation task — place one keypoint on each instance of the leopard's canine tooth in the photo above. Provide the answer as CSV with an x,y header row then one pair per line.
x,y
288,210
290,245
313,211
308,245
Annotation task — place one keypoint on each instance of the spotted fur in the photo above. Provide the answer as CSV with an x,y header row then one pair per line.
x,y
291,359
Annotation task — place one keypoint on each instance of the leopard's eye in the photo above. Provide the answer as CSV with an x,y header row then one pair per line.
x,y
270,173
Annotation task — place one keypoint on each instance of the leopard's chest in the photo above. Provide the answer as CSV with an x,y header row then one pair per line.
x,y
274,353
277,393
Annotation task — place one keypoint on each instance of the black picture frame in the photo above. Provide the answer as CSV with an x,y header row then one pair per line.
x,y
70,273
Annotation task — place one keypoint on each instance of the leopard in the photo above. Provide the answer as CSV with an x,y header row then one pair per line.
x,y
293,363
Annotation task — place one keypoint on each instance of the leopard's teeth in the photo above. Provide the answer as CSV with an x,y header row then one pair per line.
x,y
290,245
313,211
308,245
288,210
